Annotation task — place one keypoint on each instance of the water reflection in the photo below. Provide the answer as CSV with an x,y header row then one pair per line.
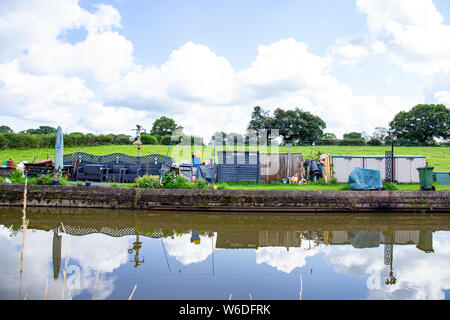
x,y
210,256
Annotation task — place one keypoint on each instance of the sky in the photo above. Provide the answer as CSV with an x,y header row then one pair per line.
x,y
105,66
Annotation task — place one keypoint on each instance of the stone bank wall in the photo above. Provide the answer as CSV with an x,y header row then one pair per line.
x,y
225,200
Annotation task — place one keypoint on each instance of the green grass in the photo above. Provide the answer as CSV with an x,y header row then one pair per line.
x,y
315,186
439,157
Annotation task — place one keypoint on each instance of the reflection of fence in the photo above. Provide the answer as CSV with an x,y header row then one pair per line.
x,y
275,167
75,231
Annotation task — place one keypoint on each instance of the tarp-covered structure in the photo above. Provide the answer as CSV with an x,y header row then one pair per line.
x,y
207,172
365,179
364,239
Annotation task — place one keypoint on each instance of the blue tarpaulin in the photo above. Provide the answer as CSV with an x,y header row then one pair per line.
x,y
365,179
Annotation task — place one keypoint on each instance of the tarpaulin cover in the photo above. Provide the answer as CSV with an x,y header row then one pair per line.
x,y
59,149
365,179
364,239
207,172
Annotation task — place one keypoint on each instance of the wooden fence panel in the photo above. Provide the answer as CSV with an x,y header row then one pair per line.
x,y
275,167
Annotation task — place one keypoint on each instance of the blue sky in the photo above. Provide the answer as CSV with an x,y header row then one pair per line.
x,y
234,28
101,66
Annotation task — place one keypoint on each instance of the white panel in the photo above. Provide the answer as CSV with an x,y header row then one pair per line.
x,y
402,170
375,164
416,163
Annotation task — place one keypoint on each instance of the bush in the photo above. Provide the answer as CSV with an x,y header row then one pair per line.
x,y
122,139
351,142
148,181
148,139
326,142
374,142
389,186
165,140
44,180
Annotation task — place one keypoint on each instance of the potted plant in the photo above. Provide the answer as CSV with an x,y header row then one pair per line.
x,y
87,183
55,179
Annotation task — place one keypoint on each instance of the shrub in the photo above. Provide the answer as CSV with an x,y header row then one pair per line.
x,y
148,139
389,186
148,181
165,140
351,142
122,139
16,177
44,180
374,142
326,142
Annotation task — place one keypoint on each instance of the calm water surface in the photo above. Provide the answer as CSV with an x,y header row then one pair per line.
x,y
105,254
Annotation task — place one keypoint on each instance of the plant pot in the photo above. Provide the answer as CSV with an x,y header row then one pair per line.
x,y
55,182
87,184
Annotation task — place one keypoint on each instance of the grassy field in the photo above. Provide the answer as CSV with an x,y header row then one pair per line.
x,y
439,157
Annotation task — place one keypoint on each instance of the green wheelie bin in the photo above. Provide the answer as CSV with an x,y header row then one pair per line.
x,y
426,178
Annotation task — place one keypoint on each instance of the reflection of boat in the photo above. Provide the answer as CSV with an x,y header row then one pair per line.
x,y
56,253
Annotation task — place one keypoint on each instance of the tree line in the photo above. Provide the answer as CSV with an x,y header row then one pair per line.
x,y
421,125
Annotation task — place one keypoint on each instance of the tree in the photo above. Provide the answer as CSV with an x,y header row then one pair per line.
x,y
297,125
329,136
165,126
422,124
219,137
260,120
234,139
381,134
5,129
353,136
42,130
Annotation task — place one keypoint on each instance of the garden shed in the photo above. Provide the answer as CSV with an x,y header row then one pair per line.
x,y
405,167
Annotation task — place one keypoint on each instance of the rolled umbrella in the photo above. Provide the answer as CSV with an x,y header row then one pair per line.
x,y
59,150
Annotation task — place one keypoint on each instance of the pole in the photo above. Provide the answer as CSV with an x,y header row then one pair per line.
x,y
214,164
392,155
162,165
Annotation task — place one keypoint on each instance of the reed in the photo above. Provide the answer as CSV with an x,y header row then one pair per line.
x,y
24,231
95,286
134,289
65,277
46,288
301,287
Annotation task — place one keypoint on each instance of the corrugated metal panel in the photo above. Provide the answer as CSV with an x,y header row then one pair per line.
x,y
339,237
343,166
416,163
402,170
376,164
406,237
405,167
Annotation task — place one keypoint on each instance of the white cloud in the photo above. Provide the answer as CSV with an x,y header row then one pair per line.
x,y
97,85
412,31
188,252
443,97
87,255
286,260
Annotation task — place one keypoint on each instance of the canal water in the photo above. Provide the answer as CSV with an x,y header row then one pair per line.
x,y
117,254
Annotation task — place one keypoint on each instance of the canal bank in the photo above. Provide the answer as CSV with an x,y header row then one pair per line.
x,y
257,201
